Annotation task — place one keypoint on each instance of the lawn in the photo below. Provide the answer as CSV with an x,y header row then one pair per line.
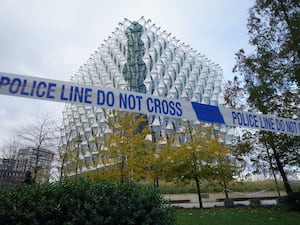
x,y
236,216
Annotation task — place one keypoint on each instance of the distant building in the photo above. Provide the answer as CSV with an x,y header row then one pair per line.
x,y
37,161
12,171
139,57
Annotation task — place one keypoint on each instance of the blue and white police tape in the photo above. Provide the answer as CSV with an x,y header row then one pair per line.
x,y
74,93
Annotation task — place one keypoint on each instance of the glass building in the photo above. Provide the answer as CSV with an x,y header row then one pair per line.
x,y
140,57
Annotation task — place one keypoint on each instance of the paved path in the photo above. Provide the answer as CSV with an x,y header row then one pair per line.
x,y
219,204
208,202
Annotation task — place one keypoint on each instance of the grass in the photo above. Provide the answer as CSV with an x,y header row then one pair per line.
x,y
236,216
246,186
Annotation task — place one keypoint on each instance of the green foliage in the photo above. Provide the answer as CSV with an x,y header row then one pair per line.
x,y
83,202
271,78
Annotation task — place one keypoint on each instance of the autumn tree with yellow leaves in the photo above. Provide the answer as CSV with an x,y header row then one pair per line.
x,y
126,153
197,154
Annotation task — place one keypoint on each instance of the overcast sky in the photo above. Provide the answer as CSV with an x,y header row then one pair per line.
x,y
53,38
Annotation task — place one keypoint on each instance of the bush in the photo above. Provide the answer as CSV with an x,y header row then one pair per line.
x,y
83,202
292,201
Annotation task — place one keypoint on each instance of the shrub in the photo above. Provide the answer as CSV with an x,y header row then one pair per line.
x,y
292,201
83,202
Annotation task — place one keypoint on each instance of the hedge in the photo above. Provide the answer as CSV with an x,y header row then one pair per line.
x,y
83,202
292,201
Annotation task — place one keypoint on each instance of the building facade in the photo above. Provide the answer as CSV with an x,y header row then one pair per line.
x,y
37,161
12,171
140,57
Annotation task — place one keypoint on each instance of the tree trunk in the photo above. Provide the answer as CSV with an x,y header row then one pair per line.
x,y
226,191
155,181
36,162
62,169
287,186
271,164
273,172
199,192
122,175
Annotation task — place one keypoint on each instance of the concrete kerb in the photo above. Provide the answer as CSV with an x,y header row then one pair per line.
x,y
210,200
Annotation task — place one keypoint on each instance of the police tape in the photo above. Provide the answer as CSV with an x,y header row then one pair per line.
x,y
74,93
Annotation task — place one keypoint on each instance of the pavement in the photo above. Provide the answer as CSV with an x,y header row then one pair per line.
x,y
220,204
210,202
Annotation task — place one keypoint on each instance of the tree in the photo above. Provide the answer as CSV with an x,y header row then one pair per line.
x,y
10,148
224,168
74,142
233,93
271,74
197,157
69,154
164,150
39,132
63,151
248,146
127,153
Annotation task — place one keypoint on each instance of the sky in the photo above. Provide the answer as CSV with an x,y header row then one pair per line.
x,y
53,38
